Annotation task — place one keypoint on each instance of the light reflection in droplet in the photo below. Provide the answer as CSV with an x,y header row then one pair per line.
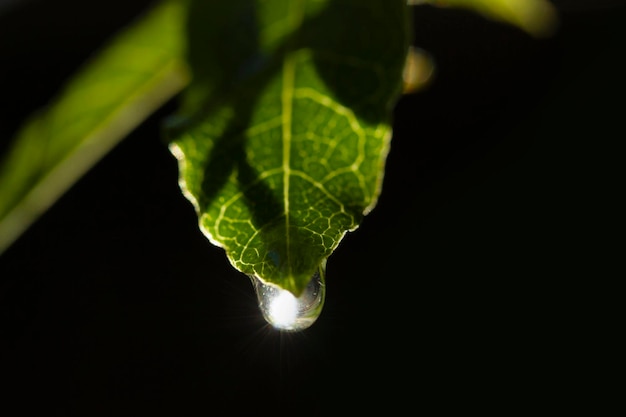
x,y
283,310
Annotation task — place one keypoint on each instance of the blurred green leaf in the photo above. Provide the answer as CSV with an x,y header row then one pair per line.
x,y
284,130
537,17
122,85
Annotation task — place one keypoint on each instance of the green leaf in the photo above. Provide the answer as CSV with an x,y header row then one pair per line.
x,y
536,17
283,133
117,89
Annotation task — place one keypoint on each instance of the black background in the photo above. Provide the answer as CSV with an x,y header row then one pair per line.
x,y
459,291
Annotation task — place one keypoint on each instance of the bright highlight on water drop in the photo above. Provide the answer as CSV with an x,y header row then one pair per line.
x,y
285,311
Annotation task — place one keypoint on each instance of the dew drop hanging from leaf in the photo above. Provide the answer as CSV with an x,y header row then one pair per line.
x,y
285,311
285,130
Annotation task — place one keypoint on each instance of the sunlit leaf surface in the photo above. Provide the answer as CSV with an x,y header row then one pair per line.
x,y
283,133
135,74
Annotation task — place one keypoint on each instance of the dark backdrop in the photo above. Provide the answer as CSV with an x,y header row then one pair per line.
x,y
460,290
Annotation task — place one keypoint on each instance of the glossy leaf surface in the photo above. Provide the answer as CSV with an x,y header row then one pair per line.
x,y
284,130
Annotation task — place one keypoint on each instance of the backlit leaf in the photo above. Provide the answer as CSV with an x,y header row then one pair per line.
x,y
283,133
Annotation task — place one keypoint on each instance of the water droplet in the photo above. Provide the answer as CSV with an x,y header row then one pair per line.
x,y
285,311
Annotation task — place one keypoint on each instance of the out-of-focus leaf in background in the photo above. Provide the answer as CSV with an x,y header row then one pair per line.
x,y
133,76
537,17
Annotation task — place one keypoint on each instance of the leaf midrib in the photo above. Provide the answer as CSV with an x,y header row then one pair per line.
x,y
295,15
